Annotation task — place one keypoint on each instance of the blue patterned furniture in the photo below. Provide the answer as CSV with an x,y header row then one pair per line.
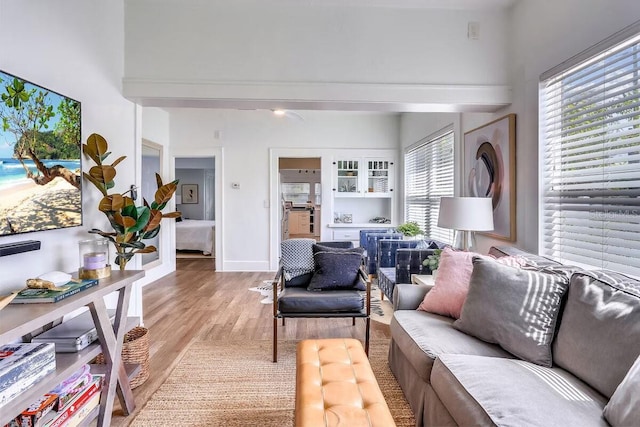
x,y
398,260
371,249
365,233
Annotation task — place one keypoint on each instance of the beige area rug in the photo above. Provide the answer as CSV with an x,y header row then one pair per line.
x,y
235,384
381,311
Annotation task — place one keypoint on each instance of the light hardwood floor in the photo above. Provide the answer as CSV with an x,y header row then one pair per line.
x,y
197,303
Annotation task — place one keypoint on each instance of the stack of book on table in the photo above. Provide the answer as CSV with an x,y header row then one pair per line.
x,y
67,405
22,365
34,295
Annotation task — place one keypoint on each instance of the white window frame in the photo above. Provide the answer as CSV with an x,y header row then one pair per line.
x,y
589,206
434,172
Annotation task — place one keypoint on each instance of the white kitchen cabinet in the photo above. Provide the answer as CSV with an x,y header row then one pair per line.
x,y
362,191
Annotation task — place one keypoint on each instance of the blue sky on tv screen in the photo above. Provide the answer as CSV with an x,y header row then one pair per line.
x,y
7,139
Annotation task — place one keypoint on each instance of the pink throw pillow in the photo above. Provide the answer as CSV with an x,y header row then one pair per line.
x,y
452,282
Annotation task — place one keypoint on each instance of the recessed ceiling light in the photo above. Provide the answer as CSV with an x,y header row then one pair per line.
x,y
279,112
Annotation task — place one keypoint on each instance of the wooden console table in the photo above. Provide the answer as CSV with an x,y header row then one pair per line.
x,y
18,320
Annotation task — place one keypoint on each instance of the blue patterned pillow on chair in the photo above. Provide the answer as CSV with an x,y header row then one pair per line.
x,y
336,269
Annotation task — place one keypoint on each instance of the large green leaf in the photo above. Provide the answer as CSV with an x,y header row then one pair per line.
x,y
143,215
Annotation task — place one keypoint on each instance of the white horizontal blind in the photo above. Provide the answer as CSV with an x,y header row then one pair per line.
x,y
428,171
590,135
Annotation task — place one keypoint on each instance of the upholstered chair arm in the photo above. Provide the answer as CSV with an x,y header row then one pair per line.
x,y
408,297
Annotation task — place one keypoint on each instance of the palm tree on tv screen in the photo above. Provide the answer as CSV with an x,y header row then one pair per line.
x,y
27,114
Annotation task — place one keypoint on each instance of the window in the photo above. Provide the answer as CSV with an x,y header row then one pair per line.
x,y
428,171
590,156
296,192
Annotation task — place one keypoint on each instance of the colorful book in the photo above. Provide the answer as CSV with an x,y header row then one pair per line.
x,y
32,416
31,295
78,404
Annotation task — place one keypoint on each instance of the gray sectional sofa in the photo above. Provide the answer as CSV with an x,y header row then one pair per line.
x,y
453,378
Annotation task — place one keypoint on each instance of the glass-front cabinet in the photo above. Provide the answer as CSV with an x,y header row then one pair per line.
x,y
362,193
363,177
347,173
378,177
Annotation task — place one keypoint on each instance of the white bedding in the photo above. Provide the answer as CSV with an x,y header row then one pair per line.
x,y
197,235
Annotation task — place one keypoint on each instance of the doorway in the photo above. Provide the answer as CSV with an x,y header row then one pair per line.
x,y
301,197
198,198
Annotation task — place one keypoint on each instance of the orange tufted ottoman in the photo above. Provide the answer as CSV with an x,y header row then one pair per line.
x,y
335,386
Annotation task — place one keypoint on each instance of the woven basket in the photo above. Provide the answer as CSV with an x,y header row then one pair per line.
x,y
135,350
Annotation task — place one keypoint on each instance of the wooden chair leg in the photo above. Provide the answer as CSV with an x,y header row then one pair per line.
x,y
381,295
283,321
353,323
366,336
275,340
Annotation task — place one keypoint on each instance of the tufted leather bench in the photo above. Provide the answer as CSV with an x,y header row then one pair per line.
x,y
335,386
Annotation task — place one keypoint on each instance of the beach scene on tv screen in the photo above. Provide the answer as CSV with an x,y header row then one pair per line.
x,y
40,169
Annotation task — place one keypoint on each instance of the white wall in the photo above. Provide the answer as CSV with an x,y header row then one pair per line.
x,y
570,26
266,50
246,137
74,47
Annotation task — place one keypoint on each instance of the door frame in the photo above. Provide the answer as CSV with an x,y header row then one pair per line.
x,y
218,155
275,229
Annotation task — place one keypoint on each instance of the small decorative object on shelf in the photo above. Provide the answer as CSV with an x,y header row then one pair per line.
x,y
94,259
380,220
131,224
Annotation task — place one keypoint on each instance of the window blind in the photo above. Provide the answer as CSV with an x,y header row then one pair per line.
x,y
590,158
428,171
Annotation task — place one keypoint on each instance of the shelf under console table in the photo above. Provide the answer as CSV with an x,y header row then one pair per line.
x,y
18,320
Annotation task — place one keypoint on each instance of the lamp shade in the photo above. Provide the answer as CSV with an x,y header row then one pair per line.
x,y
466,213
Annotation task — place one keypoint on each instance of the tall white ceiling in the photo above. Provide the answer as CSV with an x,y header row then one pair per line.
x,y
410,4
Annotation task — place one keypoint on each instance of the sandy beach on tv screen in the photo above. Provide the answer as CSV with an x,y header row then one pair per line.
x,y
30,207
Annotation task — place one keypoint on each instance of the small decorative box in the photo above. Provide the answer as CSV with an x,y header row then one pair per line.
x,y
22,365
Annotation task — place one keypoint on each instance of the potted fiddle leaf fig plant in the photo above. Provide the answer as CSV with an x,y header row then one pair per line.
x,y
131,224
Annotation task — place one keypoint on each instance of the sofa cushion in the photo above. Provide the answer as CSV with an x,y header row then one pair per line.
x,y
300,300
623,408
452,282
515,308
507,392
423,336
599,335
336,268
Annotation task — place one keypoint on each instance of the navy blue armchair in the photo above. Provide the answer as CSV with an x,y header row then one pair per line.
x,y
398,260
372,249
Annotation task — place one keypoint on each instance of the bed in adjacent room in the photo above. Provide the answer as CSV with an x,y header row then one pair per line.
x,y
196,235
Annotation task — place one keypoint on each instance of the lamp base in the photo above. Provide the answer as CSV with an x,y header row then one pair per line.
x,y
465,240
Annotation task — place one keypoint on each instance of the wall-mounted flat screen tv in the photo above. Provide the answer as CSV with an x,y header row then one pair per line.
x,y
40,158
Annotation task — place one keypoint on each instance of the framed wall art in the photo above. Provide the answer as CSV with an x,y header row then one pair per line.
x,y
189,193
489,171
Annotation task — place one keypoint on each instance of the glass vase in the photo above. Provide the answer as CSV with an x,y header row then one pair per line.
x,y
94,259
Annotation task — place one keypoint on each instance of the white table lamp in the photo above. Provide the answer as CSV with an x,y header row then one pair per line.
x,y
466,215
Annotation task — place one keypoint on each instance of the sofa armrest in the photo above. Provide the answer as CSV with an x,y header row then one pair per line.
x,y
408,297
